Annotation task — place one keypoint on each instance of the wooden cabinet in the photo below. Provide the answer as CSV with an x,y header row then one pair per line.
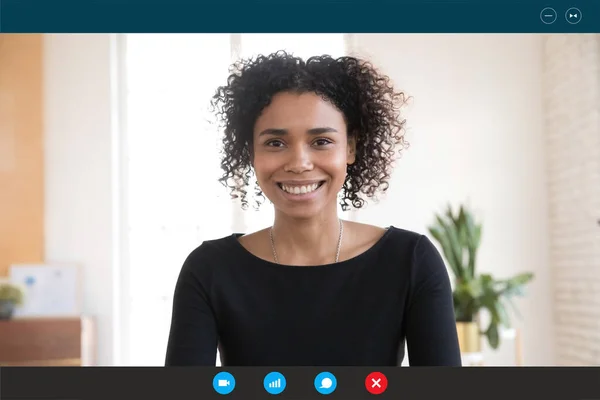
x,y
47,342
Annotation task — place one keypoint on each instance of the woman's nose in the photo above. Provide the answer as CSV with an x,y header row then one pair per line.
x,y
299,160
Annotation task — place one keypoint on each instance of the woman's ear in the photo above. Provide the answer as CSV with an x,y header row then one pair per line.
x,y
351,152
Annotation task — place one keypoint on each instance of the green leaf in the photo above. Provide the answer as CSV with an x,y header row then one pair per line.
x,y
516,286
465,300
503,314
493,336
476,288
472,242
455,251
520,279
450,215
477,235
462,228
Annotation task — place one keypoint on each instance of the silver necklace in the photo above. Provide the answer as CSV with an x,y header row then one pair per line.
x,y
339,245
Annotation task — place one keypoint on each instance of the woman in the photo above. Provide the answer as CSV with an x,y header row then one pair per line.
x,y
312,289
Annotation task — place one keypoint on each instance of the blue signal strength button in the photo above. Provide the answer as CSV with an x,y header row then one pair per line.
x,y
274,383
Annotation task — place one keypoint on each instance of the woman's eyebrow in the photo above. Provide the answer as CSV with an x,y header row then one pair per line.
x,y
319,131
273,131
282,132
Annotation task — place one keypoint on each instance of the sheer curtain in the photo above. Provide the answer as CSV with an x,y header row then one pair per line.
x,y
171,166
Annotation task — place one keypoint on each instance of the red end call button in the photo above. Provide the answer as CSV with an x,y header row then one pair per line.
x,y
376,383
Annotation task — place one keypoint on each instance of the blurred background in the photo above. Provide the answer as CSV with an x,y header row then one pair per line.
x,y
109,167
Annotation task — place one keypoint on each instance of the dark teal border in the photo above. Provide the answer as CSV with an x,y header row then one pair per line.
x,y
324,16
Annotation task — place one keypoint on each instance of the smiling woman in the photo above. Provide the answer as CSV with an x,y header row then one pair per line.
x,y
313,132
300,155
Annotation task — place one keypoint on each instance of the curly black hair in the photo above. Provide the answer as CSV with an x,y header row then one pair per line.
x,y
366,98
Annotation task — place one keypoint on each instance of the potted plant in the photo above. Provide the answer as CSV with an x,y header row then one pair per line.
x,y
10,296
459,237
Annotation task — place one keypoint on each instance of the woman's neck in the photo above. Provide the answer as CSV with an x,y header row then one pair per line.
x,y
306,241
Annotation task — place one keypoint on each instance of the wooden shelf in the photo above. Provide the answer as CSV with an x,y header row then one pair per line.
x,y
47,342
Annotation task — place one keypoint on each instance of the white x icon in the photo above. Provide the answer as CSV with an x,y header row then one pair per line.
x,y
376,382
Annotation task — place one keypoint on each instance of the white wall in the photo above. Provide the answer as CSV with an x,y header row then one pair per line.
x,y
572,126
79,173
475,128
476,136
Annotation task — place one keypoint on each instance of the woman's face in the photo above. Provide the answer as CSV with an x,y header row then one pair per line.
x,y
300,153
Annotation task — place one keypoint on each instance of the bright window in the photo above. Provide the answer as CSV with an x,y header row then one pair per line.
x,y
174,200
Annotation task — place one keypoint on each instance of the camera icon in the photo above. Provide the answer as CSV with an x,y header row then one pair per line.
x,y
223,383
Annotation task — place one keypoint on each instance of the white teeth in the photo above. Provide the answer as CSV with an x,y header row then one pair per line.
x,y
300,189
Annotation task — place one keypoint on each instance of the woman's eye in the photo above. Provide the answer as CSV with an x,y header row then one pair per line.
x,y
274,143
322,142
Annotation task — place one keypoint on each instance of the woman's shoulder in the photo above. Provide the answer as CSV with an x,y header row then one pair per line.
x,y
417,243
212,251
425,261
398,243
220,243
366,235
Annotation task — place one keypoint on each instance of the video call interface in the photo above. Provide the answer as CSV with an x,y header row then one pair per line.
x,y
195,207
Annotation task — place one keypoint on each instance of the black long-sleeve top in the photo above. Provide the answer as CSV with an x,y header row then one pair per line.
x,y
357,312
